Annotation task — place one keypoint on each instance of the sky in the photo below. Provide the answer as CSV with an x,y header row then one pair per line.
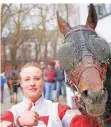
x,y
55,1
32,19
60,1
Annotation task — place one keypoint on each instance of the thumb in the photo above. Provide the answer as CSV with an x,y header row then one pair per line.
x,y
29,106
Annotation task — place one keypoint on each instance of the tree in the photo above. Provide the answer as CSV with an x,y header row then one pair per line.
x,y
18,31
45,34
33,24
5,15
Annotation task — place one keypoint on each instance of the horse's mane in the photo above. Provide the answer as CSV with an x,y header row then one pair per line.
x,y
107,84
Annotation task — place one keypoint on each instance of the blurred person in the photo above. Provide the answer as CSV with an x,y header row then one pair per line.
x,y
18,69
3,80
50,81
60,84
43,67
10,83
13,74
35,111
15,79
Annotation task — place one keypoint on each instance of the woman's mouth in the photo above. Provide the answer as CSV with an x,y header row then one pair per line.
x,y
33,89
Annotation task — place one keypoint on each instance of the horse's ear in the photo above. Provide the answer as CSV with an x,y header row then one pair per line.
x,y
92,18
63,25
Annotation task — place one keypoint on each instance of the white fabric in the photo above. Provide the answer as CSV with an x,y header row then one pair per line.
x,y
43,108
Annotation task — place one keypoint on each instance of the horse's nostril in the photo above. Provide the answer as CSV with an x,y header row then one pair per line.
x,y
85,93
103,90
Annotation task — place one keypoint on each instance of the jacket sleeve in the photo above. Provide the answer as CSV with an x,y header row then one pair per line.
x,y
7,119
66,114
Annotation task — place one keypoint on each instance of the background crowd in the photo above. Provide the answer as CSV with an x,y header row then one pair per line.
x,y
54,78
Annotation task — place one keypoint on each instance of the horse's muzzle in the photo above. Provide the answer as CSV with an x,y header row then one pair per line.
x,y
95,101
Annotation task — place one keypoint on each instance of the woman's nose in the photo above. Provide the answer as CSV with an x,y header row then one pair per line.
x,y
32,83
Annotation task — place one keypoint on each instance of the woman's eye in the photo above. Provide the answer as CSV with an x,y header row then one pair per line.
x,y
36,78
26,79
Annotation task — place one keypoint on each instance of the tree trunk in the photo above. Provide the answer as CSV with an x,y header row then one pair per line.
x,y
55,47
3,57
13,56
54,50
45,52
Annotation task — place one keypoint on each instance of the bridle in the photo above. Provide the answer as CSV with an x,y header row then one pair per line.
x,y
79,29
81,67
75,76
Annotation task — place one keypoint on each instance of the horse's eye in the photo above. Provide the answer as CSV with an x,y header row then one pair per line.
x,y
85,93
102,64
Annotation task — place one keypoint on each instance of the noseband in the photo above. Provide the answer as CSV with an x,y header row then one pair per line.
x,y
82,66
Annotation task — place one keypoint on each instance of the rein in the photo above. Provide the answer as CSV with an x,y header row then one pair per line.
x,y
102,121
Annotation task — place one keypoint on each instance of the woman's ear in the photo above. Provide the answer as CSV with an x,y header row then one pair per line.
x,y
92,18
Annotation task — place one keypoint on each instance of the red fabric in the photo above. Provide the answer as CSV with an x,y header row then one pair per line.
x,y
44,119
83,121
7,116
50,75
62,110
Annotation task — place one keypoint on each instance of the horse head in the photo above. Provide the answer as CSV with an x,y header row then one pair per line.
x,y
84,56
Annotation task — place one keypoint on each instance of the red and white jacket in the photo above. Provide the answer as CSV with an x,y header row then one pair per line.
x,y
51,114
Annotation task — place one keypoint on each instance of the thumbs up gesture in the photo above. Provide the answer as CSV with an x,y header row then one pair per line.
x,y
29,118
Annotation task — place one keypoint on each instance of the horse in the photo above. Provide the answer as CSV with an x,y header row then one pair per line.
x,y
85,57
12,76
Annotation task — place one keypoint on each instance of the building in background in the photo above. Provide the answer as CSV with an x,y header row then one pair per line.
x,y
104,19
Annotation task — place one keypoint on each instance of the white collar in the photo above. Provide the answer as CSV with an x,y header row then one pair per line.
x,y
39,101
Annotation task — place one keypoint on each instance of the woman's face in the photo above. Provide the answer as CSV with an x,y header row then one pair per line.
x,y
32,82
